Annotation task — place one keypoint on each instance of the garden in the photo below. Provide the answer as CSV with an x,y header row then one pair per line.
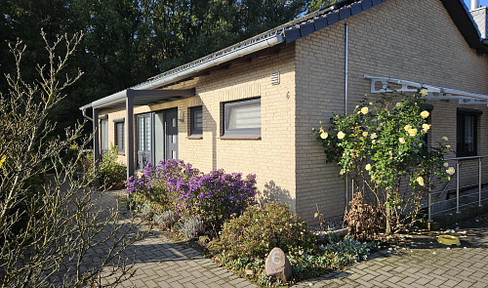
x,y
381,146
219,211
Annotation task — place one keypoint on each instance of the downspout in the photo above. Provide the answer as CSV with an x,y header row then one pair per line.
x,y
346,73
83,111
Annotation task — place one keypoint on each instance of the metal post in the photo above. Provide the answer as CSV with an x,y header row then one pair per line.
x,y
352,189
457,188
479,182
96,144
429,219
346,194
129,120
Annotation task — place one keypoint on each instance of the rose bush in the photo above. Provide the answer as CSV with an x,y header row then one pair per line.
x,y
379,145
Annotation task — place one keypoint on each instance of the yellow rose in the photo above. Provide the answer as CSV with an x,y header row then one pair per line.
x,y
448,146
424,114
412,132
420,180
423,92
398,104
368,167
444,138
373,135
401,140
407,127
324,135
370,103
374,142
445,165
425,127
365,134
341,135
364,110
451,171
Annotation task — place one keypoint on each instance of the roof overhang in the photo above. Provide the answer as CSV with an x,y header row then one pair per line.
x,y
386,84
140,98
464,22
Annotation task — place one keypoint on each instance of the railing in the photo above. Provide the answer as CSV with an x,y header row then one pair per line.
x,y
469,196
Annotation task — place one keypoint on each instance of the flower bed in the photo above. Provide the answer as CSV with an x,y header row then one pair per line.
x,y
178,187
237,233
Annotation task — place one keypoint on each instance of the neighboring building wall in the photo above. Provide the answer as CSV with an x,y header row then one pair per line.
x,y
413,40
272,158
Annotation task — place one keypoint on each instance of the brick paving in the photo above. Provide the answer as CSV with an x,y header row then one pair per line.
x,y
162,263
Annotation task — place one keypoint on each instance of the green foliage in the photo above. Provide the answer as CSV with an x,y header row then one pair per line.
x,y
252,235
112,173
245,241
380,144
319,4
128,41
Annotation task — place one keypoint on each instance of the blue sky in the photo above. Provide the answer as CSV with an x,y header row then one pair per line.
x,y
482,2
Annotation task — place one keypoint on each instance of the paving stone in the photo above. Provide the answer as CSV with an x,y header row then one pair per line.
x,y
162,263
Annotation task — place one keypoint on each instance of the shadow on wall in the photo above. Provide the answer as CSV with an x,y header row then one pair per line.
x,y
275,193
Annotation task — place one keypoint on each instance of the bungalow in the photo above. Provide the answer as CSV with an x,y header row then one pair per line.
x,y
251,107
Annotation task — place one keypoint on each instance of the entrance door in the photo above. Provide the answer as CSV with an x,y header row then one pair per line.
x,y
165,135
171,134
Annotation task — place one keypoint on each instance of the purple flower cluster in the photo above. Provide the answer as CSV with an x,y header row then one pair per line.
x,y
179,187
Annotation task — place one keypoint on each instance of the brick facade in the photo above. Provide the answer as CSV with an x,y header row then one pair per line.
x,y
414,40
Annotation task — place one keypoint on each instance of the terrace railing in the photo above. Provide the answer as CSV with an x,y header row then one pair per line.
x,y
468,181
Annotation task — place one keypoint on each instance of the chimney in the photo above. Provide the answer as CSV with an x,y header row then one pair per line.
x,y
475,4
479,15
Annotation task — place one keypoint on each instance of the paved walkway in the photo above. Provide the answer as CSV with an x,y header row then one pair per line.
x,y
163,263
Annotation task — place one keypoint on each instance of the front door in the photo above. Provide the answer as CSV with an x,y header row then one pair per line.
x,y
171,134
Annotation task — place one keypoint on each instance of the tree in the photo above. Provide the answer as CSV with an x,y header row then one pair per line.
x,y
380,145
319,4
48,222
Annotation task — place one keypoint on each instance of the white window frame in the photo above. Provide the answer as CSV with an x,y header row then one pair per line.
x,y
229,118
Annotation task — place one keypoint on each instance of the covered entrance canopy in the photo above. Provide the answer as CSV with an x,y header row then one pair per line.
x,y
386,84
128,99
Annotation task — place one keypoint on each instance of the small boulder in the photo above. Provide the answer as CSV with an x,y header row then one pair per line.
x,y
277,264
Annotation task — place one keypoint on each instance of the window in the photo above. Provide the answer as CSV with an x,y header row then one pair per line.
x,y
196,121
242,118
143,140
104,135
119,135
467,132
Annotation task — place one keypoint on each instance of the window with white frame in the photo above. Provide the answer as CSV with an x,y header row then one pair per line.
x,y
242,118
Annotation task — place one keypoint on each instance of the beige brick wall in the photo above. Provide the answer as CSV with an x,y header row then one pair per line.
x,y
272,158
413,40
